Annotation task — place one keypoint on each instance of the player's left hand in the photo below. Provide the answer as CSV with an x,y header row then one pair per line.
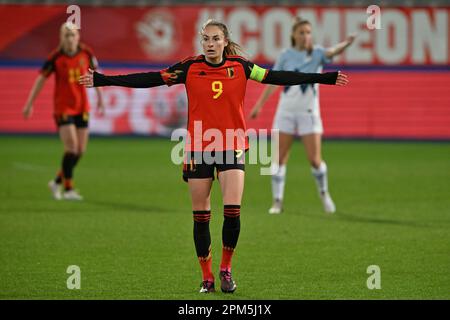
x,y
351,38
87,80
342,79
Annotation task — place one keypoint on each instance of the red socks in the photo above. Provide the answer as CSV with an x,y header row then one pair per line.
x,y
206,265
227,254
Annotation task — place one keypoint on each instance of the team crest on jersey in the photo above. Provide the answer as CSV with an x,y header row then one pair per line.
x,y
230,72
82,62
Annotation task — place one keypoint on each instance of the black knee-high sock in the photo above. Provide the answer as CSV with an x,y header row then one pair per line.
x,y
68,162
76,159
69,159
202,236
231,225
60,175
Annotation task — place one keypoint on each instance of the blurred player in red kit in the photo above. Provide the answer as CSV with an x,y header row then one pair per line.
x,y
71,107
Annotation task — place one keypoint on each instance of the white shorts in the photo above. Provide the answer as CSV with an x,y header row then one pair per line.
x,y
297,123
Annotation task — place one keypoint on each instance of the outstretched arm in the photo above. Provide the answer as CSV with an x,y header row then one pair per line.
x,y
290,78
133,80
340,47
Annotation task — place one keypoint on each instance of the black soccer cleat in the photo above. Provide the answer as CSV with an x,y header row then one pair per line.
x,y
227,283
207,287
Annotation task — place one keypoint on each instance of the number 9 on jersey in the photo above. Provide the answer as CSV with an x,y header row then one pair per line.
x,y
217,87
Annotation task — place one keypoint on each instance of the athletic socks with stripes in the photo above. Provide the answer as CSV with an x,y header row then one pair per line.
x,y
202,238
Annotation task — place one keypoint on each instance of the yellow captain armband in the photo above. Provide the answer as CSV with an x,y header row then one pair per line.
x,y
257,73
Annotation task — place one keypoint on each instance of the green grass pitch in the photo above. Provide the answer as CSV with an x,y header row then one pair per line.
x,y
132,236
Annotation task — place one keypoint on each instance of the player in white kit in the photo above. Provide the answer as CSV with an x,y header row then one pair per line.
x,y
298,111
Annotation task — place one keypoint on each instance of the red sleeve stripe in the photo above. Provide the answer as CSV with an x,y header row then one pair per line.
x,y
165,75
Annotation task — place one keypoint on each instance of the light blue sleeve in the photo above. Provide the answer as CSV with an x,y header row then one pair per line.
x,y
280,62
323,55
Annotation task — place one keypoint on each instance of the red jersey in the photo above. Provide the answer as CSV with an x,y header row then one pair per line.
x,y
215,101
70,97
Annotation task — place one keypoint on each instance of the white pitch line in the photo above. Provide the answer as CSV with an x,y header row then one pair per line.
x,y
29,166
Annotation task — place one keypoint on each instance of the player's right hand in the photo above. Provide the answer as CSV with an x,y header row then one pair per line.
x,y
87,80
27,111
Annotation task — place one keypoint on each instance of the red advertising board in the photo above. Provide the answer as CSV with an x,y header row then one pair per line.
x,y
374,105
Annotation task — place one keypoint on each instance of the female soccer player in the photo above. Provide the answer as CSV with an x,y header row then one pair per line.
x,y
215,84
71,107
298,111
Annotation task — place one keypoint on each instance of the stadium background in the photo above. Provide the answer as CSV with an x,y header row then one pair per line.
x,y
399,74
132,234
